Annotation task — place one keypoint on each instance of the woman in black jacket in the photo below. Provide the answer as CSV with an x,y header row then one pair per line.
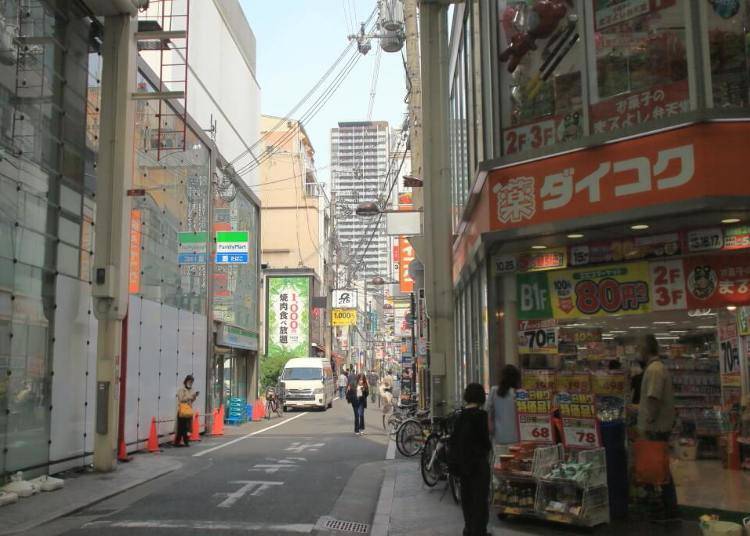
x,y
473,441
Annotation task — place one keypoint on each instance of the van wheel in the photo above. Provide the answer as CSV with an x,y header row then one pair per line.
x,y
285,409
330,404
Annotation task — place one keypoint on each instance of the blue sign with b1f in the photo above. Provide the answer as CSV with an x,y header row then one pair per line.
x,y
191,258
232,258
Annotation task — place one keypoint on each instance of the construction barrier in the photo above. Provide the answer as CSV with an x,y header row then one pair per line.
x,y
259,410
217,425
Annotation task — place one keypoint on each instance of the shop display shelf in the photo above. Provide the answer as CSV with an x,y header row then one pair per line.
x,y
520,476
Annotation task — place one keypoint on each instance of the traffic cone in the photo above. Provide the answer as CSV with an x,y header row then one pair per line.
x,y
259,410
221,419
122,452
153,438
195,433
216,428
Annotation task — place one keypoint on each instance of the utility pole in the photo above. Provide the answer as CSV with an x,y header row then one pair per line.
x,y
110,277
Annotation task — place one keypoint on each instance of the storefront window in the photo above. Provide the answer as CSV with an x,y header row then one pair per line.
x,y
729,44
641,64
541,60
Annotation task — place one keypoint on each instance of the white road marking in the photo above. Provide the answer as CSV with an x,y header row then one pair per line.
x,y
300,528
247,485
301,447
390,453
285,463
233,441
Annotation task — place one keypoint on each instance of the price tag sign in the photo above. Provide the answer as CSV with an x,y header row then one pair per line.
x,y
574,382
581,433
608,384
543,380
578,405
534,401
538,341
535,428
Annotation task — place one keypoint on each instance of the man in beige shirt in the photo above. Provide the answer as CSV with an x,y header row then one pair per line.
x,y
656,413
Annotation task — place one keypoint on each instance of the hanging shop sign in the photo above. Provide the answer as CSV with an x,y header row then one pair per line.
x,y
538,380
236,337
539,340
344,317
538,261
573,383
737,237
667,280
617,289
743,321
344,299
288,316
192,247
729,356
232,247
134,263
642,247
700,240
608,383
717,280
406,254
671,166
505,264
534,422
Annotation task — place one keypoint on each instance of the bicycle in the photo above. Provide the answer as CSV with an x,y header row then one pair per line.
x,y
273,404
392,420
412,433
434,460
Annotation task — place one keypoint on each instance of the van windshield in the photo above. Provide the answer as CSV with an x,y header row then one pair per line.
x,y
303,373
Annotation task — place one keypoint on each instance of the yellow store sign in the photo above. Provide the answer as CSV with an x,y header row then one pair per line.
x,y
344,317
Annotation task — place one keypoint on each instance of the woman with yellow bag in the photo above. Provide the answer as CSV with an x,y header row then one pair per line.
x,y
185,399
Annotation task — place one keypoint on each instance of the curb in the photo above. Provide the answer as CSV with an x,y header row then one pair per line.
x,y
72,508
381,522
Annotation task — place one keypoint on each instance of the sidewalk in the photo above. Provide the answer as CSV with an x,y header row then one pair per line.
x,y
407,507
82,490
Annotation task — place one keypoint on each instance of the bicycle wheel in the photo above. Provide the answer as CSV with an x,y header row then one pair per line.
x,y
394,421
268,410
409,438
455,484
428,462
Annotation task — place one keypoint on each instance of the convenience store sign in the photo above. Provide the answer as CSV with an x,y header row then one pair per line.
x,y
696,282
232,247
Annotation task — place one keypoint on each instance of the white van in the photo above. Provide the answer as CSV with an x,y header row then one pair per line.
x,y
308,383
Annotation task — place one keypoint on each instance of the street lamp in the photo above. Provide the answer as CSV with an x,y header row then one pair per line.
x,y
371,208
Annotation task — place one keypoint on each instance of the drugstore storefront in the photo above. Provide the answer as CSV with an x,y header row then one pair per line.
x,y
586,252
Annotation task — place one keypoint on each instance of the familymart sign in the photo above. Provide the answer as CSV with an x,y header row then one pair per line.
x,y
232,247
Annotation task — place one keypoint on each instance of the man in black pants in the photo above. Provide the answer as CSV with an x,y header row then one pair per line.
x,y
472,441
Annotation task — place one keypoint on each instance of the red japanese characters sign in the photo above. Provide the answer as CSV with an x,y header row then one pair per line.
x,y
716,280
661,168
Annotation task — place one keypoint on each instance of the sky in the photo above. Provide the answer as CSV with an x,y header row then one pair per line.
x,y
297,41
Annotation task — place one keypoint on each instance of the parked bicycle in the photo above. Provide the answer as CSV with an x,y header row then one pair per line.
x,y
412,433
273,403
434,460
392,420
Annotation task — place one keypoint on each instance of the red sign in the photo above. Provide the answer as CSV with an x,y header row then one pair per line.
x,y
667,167
406,255
136,237
546,260
717,280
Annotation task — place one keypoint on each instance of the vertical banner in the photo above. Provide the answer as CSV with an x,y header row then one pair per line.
x,y
534,408
288,316
134,263
406,254
729,360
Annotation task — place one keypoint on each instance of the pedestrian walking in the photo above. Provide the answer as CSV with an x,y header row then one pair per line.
x,y
356,395
501,408
372,379
343,382
473,444
656,418
185,399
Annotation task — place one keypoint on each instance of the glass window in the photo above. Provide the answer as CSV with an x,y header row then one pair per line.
x,y
541,60
302,373
729,47
641,68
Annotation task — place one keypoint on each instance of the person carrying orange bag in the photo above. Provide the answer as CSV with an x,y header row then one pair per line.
x,y
656,418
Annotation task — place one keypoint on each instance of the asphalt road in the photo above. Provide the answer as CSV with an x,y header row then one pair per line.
x,y
290,479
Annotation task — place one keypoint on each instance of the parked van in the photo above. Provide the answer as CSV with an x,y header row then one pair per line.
x,y
308,383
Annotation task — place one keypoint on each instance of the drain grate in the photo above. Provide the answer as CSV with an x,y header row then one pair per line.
x,y
348,526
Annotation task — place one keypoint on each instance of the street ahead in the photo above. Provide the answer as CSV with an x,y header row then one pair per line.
x,y
283,480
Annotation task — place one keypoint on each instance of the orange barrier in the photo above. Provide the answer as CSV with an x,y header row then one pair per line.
x,y
195,433
217,425
153,437
259,410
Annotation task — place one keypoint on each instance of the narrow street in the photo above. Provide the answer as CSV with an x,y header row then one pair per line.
x,y
282,480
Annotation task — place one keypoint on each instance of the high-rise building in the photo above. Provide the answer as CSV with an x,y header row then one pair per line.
x,y
360,157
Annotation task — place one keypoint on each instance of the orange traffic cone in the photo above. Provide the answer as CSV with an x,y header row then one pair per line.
x,y
216,428
195,433
153,438
221,419
259,410
122,452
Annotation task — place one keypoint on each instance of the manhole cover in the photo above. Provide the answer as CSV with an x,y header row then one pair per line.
x,y
348,526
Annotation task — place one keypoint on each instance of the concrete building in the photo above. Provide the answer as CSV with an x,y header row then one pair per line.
x,y
295,221
360,159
